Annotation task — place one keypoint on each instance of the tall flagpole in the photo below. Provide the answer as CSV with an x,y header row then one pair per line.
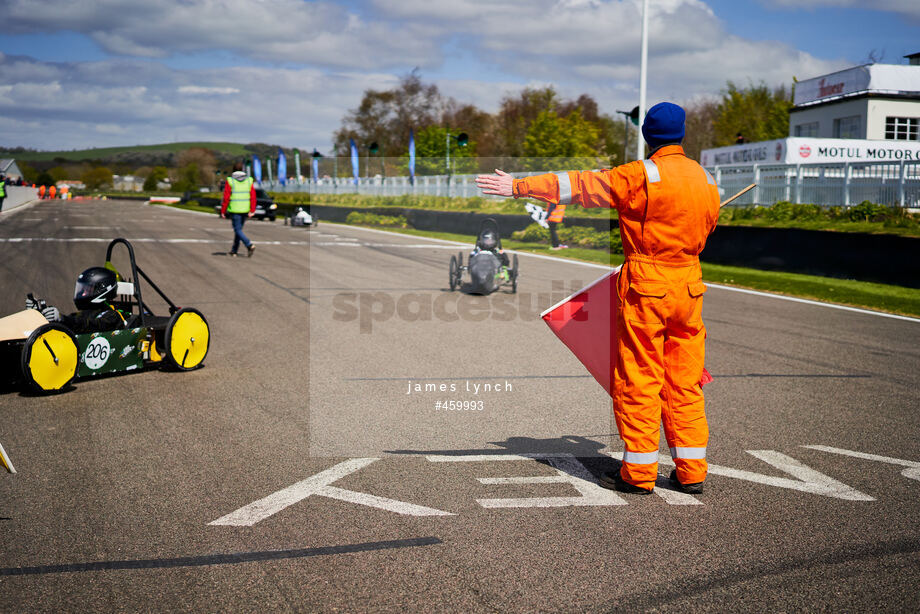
x,y
640,142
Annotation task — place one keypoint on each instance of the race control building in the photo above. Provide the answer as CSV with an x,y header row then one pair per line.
x,y
873,101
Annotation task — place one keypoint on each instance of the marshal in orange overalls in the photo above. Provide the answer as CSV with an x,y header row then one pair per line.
x,y
667,207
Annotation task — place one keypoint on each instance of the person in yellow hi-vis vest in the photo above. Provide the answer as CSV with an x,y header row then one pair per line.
x,y
240,202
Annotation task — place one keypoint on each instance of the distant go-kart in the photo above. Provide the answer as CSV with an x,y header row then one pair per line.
x,y
301,218
47,356
486,268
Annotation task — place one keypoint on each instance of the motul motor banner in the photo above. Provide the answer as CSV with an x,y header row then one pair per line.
x,y
804,150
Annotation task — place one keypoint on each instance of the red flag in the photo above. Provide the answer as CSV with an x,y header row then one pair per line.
x,y
583,323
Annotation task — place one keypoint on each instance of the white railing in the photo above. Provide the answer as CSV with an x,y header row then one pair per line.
x,y
846,184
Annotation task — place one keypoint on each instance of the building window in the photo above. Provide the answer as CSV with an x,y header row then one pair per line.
x,y
847,127
901,128
809,129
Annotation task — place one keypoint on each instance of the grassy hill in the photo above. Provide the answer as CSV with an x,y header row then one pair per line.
x,y
109,153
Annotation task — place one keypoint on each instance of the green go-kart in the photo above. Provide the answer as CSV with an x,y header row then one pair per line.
x,y
46,356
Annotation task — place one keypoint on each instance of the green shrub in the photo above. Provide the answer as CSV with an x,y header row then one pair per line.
x,y
573,236
371,219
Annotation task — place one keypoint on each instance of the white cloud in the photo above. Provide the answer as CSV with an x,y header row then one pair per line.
x,y
307,63
64,106
197,89
318,33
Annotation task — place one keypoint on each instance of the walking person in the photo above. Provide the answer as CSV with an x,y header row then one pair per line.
x,y
240,203
668,205
2,191
554,219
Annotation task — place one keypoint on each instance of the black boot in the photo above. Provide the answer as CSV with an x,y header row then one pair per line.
x,y
690,489
614,481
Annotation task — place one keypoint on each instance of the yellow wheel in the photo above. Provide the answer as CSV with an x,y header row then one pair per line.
x,y
49,358
187,339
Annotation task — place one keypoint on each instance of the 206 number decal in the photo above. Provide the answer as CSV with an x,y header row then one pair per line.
x,y
97,353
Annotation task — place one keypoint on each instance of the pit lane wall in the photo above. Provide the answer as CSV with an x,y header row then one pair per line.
x,y
18,195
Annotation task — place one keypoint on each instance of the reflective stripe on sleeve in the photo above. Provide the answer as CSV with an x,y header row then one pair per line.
x,y
565,188
688,453
709,178
640,458
651,169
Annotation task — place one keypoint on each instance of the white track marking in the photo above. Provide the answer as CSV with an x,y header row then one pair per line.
x,y
810,302
806,479
319,485
569,471
134,240
913,467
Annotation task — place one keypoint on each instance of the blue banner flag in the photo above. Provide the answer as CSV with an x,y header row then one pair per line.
x,y
355,169
412,157
297,164
282,167
315,170
257,169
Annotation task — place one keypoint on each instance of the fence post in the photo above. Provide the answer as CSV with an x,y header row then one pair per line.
x,y
847,169
902,176
798,184
756,192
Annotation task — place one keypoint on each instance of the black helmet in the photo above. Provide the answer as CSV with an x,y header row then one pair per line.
x,y
487,239
95,286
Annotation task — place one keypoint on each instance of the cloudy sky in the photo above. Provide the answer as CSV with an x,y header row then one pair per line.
x,y
119,72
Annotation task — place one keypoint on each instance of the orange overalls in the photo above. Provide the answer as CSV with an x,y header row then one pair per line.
x,y
41,191
667,207
52,191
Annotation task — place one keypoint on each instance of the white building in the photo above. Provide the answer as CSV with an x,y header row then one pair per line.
x,y
874,102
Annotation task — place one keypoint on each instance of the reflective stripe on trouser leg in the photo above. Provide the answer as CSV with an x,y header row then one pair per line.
x,y
687,453
640,458
640,468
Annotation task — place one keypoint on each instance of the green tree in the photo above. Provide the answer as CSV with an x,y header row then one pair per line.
x,y
430,150
700,127
188,178
96,178
158,174
756,112
29,174
44,179
560,142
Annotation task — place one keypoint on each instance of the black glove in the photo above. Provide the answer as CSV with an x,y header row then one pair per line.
x,y
35,303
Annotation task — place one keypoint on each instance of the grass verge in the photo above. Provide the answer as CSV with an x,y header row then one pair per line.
x,y
867,295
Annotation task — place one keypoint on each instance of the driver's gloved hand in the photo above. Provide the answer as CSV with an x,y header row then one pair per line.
x,y
35,303
52,314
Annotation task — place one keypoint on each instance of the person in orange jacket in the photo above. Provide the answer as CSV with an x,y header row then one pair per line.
x,y
668,205
41,192
52,191
554,218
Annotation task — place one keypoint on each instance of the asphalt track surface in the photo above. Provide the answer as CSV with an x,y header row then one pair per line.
x,y
134,492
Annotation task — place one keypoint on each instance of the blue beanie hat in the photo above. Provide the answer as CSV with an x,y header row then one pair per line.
x,y
664,123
